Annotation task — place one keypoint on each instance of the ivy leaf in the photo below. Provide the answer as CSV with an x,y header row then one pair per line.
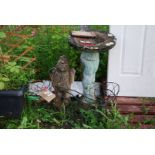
x,y
12,63
2,85
5,79
2,35
16,70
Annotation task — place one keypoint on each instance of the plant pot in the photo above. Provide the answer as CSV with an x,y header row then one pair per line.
x,y
12,102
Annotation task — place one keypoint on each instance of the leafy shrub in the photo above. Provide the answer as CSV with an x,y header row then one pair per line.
x,y
54,42
12,76
50,42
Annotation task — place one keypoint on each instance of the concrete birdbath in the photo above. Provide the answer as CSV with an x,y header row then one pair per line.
x,y
90,44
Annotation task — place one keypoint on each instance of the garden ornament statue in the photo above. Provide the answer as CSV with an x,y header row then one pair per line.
x,y
62,76
90,44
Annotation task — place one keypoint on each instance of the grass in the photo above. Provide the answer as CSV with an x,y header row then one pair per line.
x,y
46,116
148,99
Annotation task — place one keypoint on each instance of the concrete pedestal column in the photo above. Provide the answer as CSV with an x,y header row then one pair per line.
x,y
90,62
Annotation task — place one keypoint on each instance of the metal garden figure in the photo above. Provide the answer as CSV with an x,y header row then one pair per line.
x,y
62,76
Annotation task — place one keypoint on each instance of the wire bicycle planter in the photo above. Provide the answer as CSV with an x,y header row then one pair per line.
x,y
110,91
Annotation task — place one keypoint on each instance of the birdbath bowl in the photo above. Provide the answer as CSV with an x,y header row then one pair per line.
x,y
90,44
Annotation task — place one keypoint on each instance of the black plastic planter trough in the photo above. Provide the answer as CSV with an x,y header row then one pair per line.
x,y
12,102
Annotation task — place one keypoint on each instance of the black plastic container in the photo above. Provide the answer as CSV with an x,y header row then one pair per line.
x,y
12,102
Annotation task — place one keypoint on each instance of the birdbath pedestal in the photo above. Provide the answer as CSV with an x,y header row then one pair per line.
x,y
90,44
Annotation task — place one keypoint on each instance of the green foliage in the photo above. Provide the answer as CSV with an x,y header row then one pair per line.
x,y
46,116
50,42
12,76
102,70
2,35
104,118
